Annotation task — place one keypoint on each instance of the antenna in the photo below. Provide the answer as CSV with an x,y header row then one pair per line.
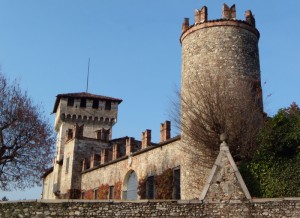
x,y
87,78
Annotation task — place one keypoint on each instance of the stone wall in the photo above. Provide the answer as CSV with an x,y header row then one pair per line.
x,y
66,179
151,161
226,49
286,207
92,118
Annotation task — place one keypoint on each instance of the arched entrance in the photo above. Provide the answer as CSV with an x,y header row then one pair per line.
x,y
130,186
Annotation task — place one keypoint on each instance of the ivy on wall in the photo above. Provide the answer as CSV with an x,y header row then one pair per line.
x,y
103,192
89,194
142,187
163,185
117,191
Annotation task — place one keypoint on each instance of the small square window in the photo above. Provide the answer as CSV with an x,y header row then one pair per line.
x,y
83,102
71,102
95,103
108,105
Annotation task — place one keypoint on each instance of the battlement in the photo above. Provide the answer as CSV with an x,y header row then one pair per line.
x,y
228,19
86,108
121,148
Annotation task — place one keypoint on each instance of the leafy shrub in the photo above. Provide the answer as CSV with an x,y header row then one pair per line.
x,y
274,170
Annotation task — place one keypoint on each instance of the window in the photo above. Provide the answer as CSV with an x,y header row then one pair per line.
x,y
150,187
67,165
69,134
70,101
108,105
96,103
83,102
55,188
111,192
96,191
176,183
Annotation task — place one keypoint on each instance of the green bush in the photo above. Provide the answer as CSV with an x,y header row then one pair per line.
x,y
274,170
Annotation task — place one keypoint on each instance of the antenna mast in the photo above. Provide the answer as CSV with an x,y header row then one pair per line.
x,y
87,78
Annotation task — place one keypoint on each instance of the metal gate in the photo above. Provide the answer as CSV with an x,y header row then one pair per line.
x,y
132,186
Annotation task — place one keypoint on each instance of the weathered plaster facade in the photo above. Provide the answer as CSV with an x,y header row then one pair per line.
x,y
150,161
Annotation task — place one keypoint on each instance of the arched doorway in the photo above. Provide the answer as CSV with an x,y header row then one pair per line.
x,y
130,186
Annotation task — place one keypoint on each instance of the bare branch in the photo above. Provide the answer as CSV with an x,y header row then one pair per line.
x,y
26,138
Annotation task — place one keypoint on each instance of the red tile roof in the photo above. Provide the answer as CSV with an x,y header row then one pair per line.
x,y
83,95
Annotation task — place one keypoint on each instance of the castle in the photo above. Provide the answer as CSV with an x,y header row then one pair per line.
x,y
90,164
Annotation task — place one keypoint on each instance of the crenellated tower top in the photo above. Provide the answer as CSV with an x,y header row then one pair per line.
x,y
94,115
228,19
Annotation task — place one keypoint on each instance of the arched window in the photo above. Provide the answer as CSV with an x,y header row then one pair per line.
x,y
130,186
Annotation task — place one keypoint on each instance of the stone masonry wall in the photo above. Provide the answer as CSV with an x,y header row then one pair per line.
x,y
215,48
67,208
220,49
88,116
149,163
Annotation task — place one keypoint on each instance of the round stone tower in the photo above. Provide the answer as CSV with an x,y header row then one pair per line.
x,y
227,47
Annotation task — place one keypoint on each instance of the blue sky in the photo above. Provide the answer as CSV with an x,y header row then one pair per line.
x,y
135,53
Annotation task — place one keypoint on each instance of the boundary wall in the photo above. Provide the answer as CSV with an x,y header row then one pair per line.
x,y
277,207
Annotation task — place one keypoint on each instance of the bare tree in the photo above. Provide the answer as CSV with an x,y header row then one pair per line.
x,y
213,104
26,138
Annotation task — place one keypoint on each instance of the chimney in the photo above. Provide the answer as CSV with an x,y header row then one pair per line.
x,y
201,16
185,25
165,131
129,145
